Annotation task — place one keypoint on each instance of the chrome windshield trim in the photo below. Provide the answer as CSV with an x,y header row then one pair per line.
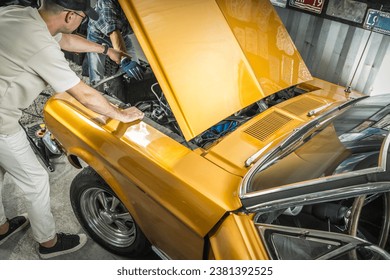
x,y
382,167
317,197
320,180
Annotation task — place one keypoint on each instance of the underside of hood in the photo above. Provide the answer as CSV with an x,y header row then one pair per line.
x,y
214,58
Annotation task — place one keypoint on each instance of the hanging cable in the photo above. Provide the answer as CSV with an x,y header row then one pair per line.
x,y
348,88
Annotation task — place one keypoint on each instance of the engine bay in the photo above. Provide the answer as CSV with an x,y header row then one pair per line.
x,y
147,96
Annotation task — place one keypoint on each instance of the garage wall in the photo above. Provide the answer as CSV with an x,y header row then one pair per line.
x,y
332,51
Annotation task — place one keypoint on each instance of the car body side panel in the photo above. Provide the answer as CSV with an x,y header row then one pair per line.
x,y
163,229
203,56
178,184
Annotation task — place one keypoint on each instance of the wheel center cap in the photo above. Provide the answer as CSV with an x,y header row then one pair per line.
x,y
107,217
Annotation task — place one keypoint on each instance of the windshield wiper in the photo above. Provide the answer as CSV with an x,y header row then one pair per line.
x,y
317,110
301,131
298,133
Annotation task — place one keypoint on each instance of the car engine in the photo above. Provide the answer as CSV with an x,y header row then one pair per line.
x,y
147,96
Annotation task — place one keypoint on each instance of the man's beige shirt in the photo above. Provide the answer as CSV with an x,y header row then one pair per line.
x,y
30,59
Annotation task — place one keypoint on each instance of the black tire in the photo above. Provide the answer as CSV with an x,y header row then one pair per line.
x,y
104,217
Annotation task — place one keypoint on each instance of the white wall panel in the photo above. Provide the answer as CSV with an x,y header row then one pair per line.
x,y
332,51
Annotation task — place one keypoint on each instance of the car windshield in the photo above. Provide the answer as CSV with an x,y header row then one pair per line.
x,y
346,142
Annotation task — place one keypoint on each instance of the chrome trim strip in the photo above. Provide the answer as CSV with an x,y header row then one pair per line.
x,y
379,250
320,180
384,152
160,253
350,246
317,197
338,251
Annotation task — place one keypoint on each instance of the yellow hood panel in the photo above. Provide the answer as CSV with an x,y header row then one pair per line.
x,y
214,58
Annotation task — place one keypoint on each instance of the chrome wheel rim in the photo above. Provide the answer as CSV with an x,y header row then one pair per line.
x,y
108,218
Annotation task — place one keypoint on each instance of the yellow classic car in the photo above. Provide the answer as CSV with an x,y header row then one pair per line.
x,y
242,154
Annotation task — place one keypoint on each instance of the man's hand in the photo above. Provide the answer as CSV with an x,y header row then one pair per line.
x,y
131,114
126,116
132,68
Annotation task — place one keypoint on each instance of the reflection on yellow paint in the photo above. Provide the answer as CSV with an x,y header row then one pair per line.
x,y
303,72
283,41
138,134
287,68
267,46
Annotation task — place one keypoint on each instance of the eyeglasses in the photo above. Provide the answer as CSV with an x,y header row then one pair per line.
x,y
84,18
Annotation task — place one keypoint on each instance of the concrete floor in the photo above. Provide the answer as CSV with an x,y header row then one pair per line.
x,y
22,246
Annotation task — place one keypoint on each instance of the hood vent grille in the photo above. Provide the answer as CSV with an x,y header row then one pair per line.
x,y
302,106
267,126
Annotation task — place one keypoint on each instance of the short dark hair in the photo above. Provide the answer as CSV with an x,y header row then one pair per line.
x,y
51,6
57,6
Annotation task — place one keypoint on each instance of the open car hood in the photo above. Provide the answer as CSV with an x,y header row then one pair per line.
x,y
214,58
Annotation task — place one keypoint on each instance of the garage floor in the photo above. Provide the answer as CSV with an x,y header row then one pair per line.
x,y
22,246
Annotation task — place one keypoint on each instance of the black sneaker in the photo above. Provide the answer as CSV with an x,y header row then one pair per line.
x,y
15,225
66,243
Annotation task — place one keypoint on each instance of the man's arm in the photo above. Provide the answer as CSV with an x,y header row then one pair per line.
x,y
93,99
117,41
78,44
